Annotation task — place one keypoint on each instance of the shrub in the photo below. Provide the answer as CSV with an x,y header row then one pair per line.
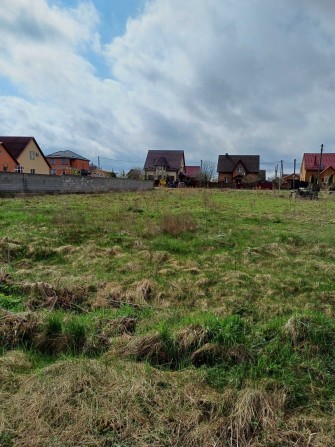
x,y
176,224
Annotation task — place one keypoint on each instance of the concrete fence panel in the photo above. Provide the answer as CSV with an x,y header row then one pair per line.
x,y
14,183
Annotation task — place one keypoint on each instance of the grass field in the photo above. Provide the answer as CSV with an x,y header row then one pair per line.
x,y
167,318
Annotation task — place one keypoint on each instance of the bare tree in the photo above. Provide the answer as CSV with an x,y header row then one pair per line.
x,y
207,172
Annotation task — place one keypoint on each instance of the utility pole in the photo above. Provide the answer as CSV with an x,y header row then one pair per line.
x,y
98,162
294,165
320,165
276,172
281,173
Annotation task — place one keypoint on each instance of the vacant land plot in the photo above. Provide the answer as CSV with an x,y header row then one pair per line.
x,y
167,318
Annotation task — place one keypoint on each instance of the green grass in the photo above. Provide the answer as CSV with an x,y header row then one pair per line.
x,y
235,290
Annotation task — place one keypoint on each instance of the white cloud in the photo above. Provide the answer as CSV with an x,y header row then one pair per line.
x,y
210,77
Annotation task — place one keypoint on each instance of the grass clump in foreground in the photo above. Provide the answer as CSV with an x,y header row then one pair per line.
x,y
207,320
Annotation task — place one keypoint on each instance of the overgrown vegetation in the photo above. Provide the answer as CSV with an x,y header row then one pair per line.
x,y
170,317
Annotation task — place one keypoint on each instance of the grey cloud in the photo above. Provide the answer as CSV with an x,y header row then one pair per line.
x,y
222,76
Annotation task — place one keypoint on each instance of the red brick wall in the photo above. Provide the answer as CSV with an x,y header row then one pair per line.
x,y
69,167
6,161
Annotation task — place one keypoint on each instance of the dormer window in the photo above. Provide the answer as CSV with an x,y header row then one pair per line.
x,y
240,169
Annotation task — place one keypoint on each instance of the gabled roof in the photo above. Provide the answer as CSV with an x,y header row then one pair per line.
x,y
162,161
227,163
326,169
5,148
290,176
16,145
192,171
173,159
67,154
312,161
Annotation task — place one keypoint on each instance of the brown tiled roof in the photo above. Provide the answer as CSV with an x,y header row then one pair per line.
x,y
5,148
227,163
16,145
172,158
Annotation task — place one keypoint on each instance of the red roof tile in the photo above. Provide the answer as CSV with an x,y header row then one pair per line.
x,y
312,161
192,171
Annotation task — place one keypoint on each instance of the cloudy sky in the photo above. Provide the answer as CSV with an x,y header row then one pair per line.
x,y
114,78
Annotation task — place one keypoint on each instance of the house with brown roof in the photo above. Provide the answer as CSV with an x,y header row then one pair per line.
x,y
311,167
67,162
7,162
23,155
238,169
164,165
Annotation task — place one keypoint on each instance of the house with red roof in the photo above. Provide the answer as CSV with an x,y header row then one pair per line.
x,y
164,165
192,171
23,155
313,165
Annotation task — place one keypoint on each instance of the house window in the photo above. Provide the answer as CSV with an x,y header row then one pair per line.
x,y
52,161
32,171
240,169
53,171
32,155
226,180
5,168
64,161
19,169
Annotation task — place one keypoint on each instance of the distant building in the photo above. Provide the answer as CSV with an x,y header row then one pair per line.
x,y
192,171
164,165
67,162
311,167
22,155
239,169
287,178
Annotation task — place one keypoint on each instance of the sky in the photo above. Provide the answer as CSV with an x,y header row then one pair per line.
x,y
114,78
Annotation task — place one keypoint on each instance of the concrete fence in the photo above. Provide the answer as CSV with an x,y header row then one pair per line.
x,y
14,183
